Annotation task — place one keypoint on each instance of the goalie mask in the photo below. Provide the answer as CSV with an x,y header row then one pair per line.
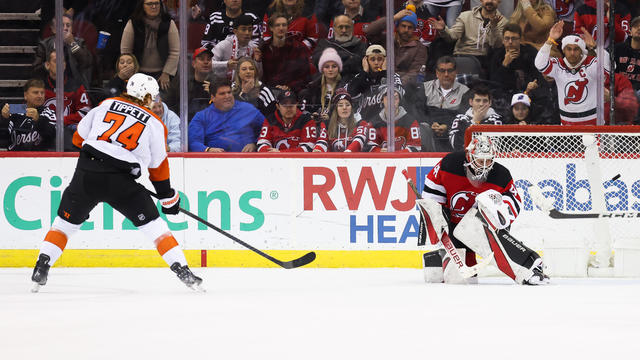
x,y
480,154
139,85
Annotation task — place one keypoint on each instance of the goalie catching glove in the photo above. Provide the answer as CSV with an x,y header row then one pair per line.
x,y
170,202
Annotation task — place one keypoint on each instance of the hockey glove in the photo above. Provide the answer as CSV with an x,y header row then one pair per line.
x,y
171,204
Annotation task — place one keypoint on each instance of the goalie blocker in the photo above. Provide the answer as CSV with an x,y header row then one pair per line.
x,y
480,203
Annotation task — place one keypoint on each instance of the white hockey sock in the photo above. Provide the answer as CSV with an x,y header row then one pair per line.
x,y
51,250
175,255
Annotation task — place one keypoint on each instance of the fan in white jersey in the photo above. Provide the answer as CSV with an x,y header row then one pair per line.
x,y
472,200
575,76
117,139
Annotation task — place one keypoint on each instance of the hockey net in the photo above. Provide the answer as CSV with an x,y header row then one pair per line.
x,y
565,163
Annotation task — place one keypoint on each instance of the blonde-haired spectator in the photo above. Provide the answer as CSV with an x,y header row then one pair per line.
x,y
535,18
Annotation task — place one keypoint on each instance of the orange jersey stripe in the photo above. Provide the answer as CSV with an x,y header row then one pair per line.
x,y
165,243
161,172
77,140
57,238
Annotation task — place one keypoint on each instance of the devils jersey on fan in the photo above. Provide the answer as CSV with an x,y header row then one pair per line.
x,y
425,32
299,136
577,87
585,16
407,134
447,183
355,141
127,132
304,29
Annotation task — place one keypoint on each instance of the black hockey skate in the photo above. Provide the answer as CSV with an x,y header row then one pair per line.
x,y
40,272
187,277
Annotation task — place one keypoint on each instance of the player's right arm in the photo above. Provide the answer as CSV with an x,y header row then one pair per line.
x,y
433,185
85,125
264,139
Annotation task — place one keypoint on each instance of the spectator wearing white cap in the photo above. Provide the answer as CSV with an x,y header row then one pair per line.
x,y
364,87
575,77
316,97
520,109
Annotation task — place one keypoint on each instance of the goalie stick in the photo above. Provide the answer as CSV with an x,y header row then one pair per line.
x,y
301,261
555,214
446,242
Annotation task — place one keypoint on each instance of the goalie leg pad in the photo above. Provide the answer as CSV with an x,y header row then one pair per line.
x,y
470,232
432,264
451,274
431,214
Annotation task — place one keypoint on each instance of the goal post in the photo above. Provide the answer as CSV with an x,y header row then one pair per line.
x,y
580,170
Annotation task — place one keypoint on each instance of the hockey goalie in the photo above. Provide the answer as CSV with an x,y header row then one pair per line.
x,y
468,204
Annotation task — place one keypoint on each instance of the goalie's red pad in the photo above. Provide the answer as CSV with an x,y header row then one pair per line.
x,y
426,229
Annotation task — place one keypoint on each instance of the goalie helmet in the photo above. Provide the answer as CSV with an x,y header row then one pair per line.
x,y
139,85
480,154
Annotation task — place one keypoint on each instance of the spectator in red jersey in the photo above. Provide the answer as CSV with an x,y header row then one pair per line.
x,y
288,129
406,131
344,131
76,100
304,29
585,17
626,103
285,60
410,54
350,48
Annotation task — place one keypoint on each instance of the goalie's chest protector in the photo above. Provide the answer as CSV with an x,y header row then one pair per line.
x,y
448,184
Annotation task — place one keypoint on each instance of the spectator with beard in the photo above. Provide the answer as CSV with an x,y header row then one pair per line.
x,y
35,129
350,49
360,17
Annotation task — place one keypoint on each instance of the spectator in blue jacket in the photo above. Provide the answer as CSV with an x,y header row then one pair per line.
x,y
172,121
226,125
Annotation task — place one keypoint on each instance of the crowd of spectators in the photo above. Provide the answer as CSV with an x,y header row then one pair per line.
x,y
311,75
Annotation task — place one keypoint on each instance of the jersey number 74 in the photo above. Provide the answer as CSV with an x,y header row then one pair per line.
x,y
128,137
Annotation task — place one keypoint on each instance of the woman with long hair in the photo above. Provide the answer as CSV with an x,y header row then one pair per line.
x,y
535,18
345,131
316,97
247,87
152,36
303,28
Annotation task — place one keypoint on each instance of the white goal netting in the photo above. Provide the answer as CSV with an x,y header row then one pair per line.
x,y
582,170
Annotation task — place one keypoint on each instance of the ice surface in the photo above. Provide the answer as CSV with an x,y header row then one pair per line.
x,y
100,313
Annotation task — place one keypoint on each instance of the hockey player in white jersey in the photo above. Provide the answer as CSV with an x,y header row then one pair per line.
x,y
575,76
117,139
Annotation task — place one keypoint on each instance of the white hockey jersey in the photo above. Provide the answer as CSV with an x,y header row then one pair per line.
x,y
127,132
577,87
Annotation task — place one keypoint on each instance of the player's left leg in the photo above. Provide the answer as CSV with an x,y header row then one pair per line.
x,y
138,207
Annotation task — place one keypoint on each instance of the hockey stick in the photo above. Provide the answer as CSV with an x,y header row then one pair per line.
x,y
301,261
446,242
555,214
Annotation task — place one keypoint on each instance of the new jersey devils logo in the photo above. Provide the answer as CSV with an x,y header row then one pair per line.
x,y
576,92
461,202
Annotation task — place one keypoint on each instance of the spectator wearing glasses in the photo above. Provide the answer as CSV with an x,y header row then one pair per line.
x,y
152,36
438,102
511,67
349,47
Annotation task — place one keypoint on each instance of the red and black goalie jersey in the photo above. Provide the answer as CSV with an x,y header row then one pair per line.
x,y
299,136
448,184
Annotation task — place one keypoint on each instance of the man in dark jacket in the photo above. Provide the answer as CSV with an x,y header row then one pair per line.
x,y
197,85
350,48
35,129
